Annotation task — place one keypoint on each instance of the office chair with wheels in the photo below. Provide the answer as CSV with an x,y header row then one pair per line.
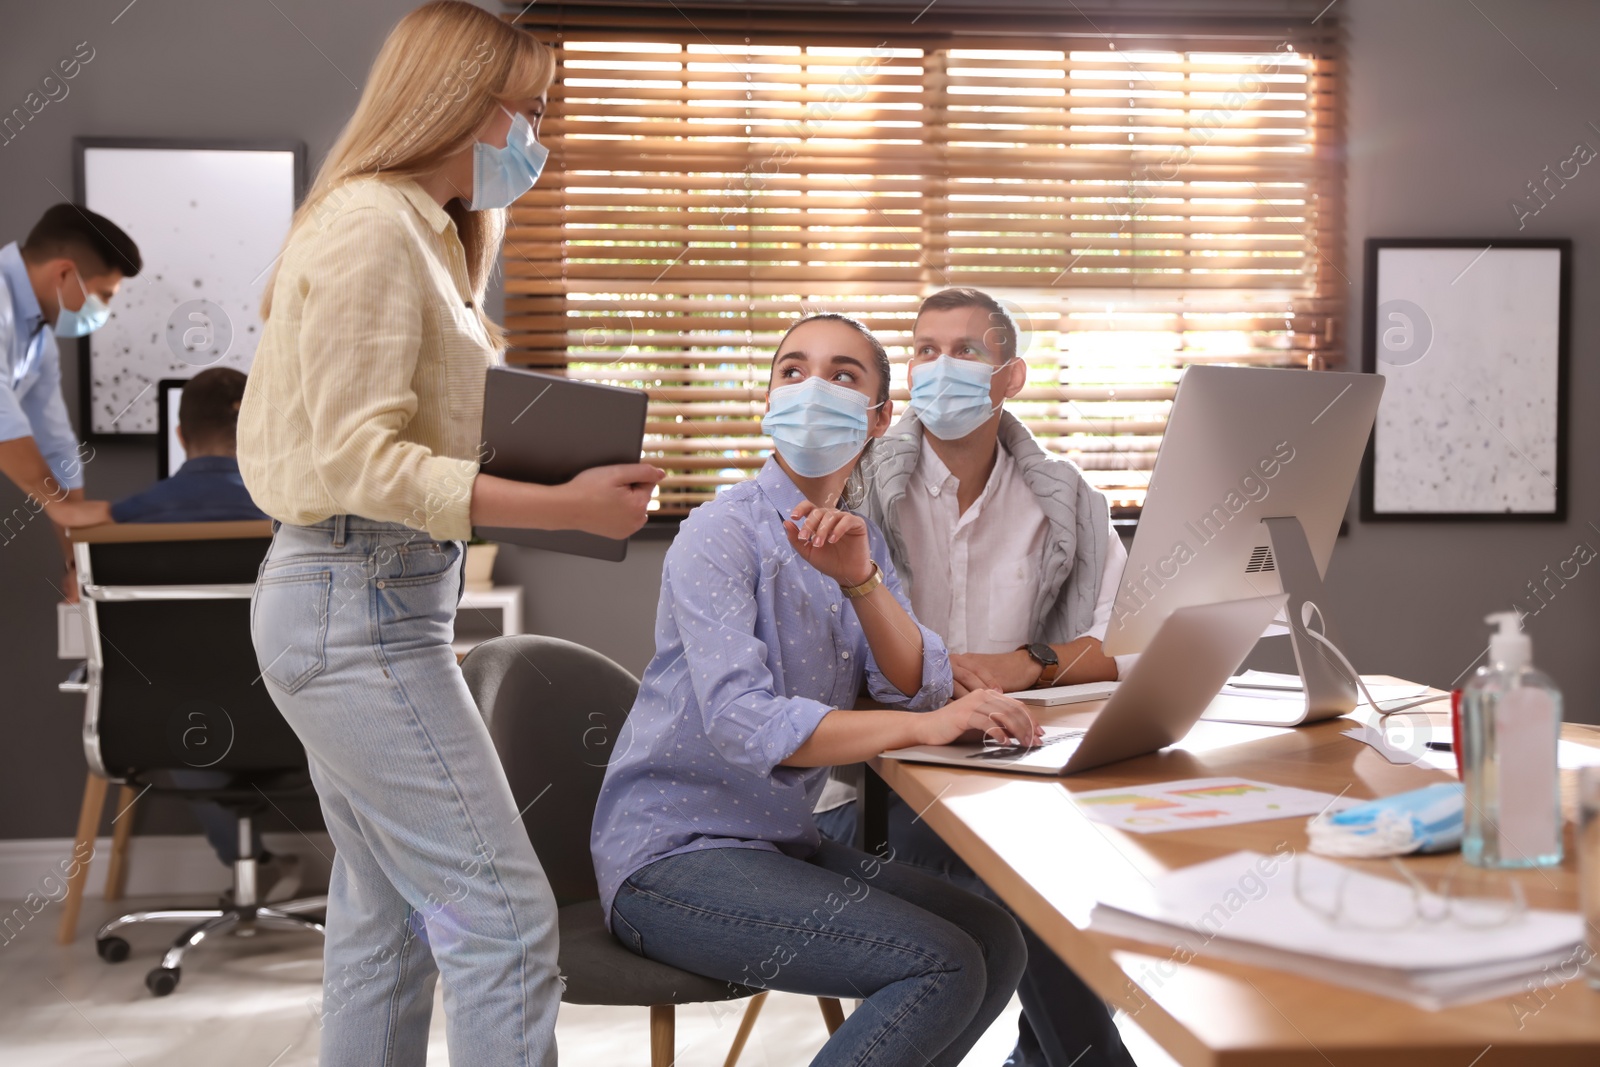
x,y
555,710
173,685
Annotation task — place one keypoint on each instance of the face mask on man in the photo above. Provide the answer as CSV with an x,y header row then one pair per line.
x,y
951,396
87,319
816,425
500,175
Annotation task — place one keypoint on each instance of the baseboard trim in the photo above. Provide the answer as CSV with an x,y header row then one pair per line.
x,y
159,865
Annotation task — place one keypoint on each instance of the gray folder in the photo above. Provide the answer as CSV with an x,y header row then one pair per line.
x,y
543,429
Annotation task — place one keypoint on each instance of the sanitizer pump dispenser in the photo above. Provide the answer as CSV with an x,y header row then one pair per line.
x,y
1510,726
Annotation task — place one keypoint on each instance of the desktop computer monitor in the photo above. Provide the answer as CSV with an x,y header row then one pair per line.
x,y
169,450
1249,488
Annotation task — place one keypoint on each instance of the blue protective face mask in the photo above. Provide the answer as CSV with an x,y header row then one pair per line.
x,y
816,426
500,175
1429,819
86,320
951,396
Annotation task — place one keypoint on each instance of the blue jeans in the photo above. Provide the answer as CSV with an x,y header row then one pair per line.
x,y
434,873
1064,1023
221,826
932,964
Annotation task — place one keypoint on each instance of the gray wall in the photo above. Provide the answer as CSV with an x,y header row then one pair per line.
x,y
1446,123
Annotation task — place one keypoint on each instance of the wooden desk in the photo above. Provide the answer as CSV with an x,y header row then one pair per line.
x,y
1050,864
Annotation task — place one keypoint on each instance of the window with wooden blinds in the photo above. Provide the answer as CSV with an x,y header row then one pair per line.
x,y
1143,200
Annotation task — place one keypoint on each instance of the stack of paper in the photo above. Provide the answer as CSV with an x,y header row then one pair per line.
x,y
1269,684
1344,926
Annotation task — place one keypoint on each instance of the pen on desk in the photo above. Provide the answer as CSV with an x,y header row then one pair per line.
x,y
1441,746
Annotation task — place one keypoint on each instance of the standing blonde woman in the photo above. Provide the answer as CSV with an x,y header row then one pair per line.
x,y
358,434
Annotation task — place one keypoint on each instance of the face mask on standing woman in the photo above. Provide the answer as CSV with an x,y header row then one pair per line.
x,y
500,175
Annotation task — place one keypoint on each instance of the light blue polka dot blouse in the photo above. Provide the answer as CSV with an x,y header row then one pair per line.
x,y
753,647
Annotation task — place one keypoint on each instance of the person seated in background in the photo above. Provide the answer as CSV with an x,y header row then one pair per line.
x,y
1009,554
776,606
207,488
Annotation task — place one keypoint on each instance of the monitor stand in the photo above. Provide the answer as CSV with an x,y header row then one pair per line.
x,y
1330,691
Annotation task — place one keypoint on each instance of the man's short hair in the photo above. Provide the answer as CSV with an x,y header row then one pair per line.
x,y
1000,321
208,409
93,242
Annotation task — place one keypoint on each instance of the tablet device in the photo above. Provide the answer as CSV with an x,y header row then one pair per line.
x,y
543,429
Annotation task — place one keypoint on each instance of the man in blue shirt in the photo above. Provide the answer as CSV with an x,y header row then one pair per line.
x,y
63,275
207,488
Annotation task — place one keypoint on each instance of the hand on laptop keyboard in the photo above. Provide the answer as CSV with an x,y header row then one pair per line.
x,y
992,751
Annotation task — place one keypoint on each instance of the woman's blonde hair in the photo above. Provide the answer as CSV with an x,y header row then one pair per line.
x,y
439,77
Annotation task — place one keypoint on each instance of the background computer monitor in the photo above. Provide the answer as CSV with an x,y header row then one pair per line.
x,y
1245,445
169,452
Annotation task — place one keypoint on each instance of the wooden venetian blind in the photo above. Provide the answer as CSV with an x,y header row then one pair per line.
x,y
1143,200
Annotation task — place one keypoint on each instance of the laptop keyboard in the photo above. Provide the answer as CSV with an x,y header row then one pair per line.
x,y
1011,752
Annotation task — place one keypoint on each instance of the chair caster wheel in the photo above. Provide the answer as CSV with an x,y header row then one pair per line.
x,y
112,949
162,981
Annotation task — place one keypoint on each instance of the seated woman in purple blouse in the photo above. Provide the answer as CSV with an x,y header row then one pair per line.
x,y
775,605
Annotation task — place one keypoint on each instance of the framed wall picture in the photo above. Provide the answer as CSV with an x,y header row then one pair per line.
x,y
1471,338
210,218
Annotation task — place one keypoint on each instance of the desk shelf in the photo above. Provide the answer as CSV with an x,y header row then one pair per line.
x,y
476,620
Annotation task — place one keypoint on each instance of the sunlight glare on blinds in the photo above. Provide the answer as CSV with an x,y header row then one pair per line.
x,y
1139,209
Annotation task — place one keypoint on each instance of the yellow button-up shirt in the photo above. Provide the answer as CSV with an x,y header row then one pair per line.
x,y
366,394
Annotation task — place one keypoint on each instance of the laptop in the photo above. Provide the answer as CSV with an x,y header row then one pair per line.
x,y
544,429
1184,666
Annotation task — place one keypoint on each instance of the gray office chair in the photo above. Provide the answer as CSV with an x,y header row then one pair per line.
x,y
555,709
173,684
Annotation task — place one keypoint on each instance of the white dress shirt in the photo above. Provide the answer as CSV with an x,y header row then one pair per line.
x,y
974,575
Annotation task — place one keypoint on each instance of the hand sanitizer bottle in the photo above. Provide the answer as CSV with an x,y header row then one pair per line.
x,y
1510,724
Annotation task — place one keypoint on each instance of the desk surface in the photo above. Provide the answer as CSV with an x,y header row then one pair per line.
x,y
1051,864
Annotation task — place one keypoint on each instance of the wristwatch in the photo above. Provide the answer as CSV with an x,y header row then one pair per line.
x,y
1043,655
855,592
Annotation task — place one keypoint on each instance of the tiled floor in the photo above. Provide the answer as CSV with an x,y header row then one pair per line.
x,y
248,1003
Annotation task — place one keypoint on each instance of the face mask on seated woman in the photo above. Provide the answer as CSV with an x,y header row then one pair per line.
x,y
817,426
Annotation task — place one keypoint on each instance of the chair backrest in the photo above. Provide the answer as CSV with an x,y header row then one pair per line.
x,y
554,709
173,677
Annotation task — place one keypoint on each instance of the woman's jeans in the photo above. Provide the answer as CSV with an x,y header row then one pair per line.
x,y
1064,1023
932,964
352,622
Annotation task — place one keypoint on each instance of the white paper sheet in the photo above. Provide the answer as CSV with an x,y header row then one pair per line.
x,y
1570,756
1406,744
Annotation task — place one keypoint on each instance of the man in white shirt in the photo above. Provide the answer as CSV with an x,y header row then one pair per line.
x,y
1019,555
1009,554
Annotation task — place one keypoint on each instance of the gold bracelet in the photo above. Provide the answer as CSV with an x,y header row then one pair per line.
x,y
855,592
